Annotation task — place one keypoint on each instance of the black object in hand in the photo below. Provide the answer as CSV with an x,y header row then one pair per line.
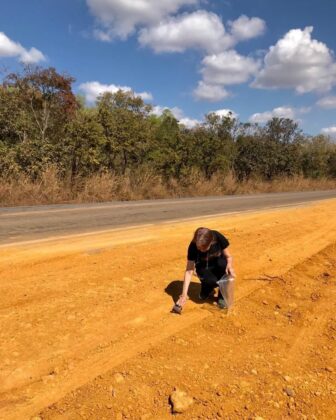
x,y
177,309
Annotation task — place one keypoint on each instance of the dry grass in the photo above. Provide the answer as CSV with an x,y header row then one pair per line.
x,y
50,189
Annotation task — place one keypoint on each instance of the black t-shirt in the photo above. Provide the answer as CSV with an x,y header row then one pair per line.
x,y
212,254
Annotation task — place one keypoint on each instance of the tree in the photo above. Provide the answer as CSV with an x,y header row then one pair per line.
x,y
124,118
83,146
47,97
283,130
166,150
214,146
317,156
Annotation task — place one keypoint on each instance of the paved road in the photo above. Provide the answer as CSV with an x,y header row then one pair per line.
x,y
20,224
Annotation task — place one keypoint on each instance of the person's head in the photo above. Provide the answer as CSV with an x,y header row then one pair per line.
x,y
203,238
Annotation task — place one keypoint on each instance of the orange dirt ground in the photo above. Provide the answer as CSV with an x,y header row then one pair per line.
x,y
86,333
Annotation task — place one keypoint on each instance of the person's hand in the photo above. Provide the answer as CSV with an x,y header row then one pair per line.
x,y
230,271
182,300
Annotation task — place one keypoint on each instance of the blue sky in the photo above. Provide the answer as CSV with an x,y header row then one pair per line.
x,y
257,58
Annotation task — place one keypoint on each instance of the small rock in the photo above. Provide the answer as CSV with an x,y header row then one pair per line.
x,y
289,391
180,401
244,384
276,405
181,342
118,378
287,378
109,406
265,302
254,372
55,371
329,369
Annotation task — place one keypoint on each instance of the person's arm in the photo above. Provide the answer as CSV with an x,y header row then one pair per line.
x,y
229,259
187,279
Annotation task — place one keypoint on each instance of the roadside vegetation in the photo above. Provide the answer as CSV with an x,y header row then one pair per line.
x,y
54,148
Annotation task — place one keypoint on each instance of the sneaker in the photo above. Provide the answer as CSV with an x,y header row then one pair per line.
x,y
221,303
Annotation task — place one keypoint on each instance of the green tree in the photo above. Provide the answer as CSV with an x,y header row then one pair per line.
x,y
166,152
124,118
83,146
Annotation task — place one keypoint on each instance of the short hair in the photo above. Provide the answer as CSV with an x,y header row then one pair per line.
x,y
203,237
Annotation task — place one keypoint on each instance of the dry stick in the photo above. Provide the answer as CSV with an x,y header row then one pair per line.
x,y
267,277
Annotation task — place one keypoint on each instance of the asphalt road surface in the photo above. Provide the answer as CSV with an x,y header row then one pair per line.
x,y
20,224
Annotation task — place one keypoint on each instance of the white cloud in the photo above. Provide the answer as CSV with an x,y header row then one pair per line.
x,y
245,28
225,113
280,112
209,92
9,48
178,114
222,69
299,62
189,122
330,131
121,17
32,56
328,102
201,29
228,68
93,89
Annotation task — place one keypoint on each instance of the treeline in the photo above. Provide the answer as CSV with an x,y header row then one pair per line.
x,y
44,124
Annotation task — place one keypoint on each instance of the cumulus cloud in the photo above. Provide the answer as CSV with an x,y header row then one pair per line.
x,y
330,131
328,102
209,92
9,48
219,70
228,68
189,122
299,62
201,29
245,28
121,17
93,89
178,114
225,113
280,112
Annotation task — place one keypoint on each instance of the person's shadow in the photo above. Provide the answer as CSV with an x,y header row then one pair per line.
x,y
174,289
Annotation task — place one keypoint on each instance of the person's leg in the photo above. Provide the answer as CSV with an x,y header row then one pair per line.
x,y
208,282
219,272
